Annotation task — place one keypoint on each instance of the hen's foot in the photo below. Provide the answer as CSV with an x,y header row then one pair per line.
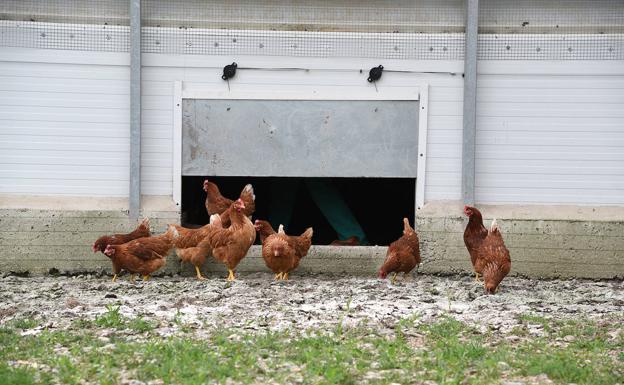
x,y
199,274
114,278
146,277
278,276
231,276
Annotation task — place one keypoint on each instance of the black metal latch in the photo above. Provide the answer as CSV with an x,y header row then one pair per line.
x,y
229,71
375,74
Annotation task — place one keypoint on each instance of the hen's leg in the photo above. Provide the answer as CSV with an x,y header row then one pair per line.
x,y
278,276
394,278
231,276
146,277
477,277
199,275
132,278
114,278
285,276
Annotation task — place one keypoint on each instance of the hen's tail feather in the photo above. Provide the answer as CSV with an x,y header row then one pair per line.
x,y
406,226
145,223
494,226
171,229
215,219
280,230
248,190
308,233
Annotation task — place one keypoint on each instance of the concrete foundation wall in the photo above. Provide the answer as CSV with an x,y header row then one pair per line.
x,y
544,241
39,241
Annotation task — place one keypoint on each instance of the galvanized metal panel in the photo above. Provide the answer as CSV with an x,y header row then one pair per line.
x,y
135,109
300,138
470,102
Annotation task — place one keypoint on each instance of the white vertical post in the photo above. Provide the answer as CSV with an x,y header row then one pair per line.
x,y
177,142
135,109
470,102
423,112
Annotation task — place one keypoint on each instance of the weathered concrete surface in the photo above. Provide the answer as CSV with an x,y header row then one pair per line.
x,y
56,234
39,235
321,259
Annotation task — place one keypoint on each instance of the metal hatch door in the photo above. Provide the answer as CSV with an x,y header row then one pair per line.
x,y
300,138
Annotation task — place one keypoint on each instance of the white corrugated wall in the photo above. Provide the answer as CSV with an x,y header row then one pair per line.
x,y
544,136
64,127
550,133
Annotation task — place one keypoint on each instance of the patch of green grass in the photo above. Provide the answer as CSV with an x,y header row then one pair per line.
x,y
583,353
82,323
520,331
455,350
535,319
140,325
114,319
111,319
183,326
25,323
446,351
16,375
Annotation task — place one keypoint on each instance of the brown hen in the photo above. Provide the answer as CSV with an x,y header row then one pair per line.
x,y
142,230
264,229
282,253
193,245
474,235
488,253
230,245
140,256
218,204
403,255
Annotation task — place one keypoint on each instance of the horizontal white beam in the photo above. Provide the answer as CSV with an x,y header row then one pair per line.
x,y
307,93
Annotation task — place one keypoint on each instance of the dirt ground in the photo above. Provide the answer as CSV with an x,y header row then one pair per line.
x,y
255,302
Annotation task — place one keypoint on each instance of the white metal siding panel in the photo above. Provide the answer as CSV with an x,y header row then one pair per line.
x,y
550,139
64,128
542,137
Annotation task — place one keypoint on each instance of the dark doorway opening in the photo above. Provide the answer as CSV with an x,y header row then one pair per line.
x,y
377,204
